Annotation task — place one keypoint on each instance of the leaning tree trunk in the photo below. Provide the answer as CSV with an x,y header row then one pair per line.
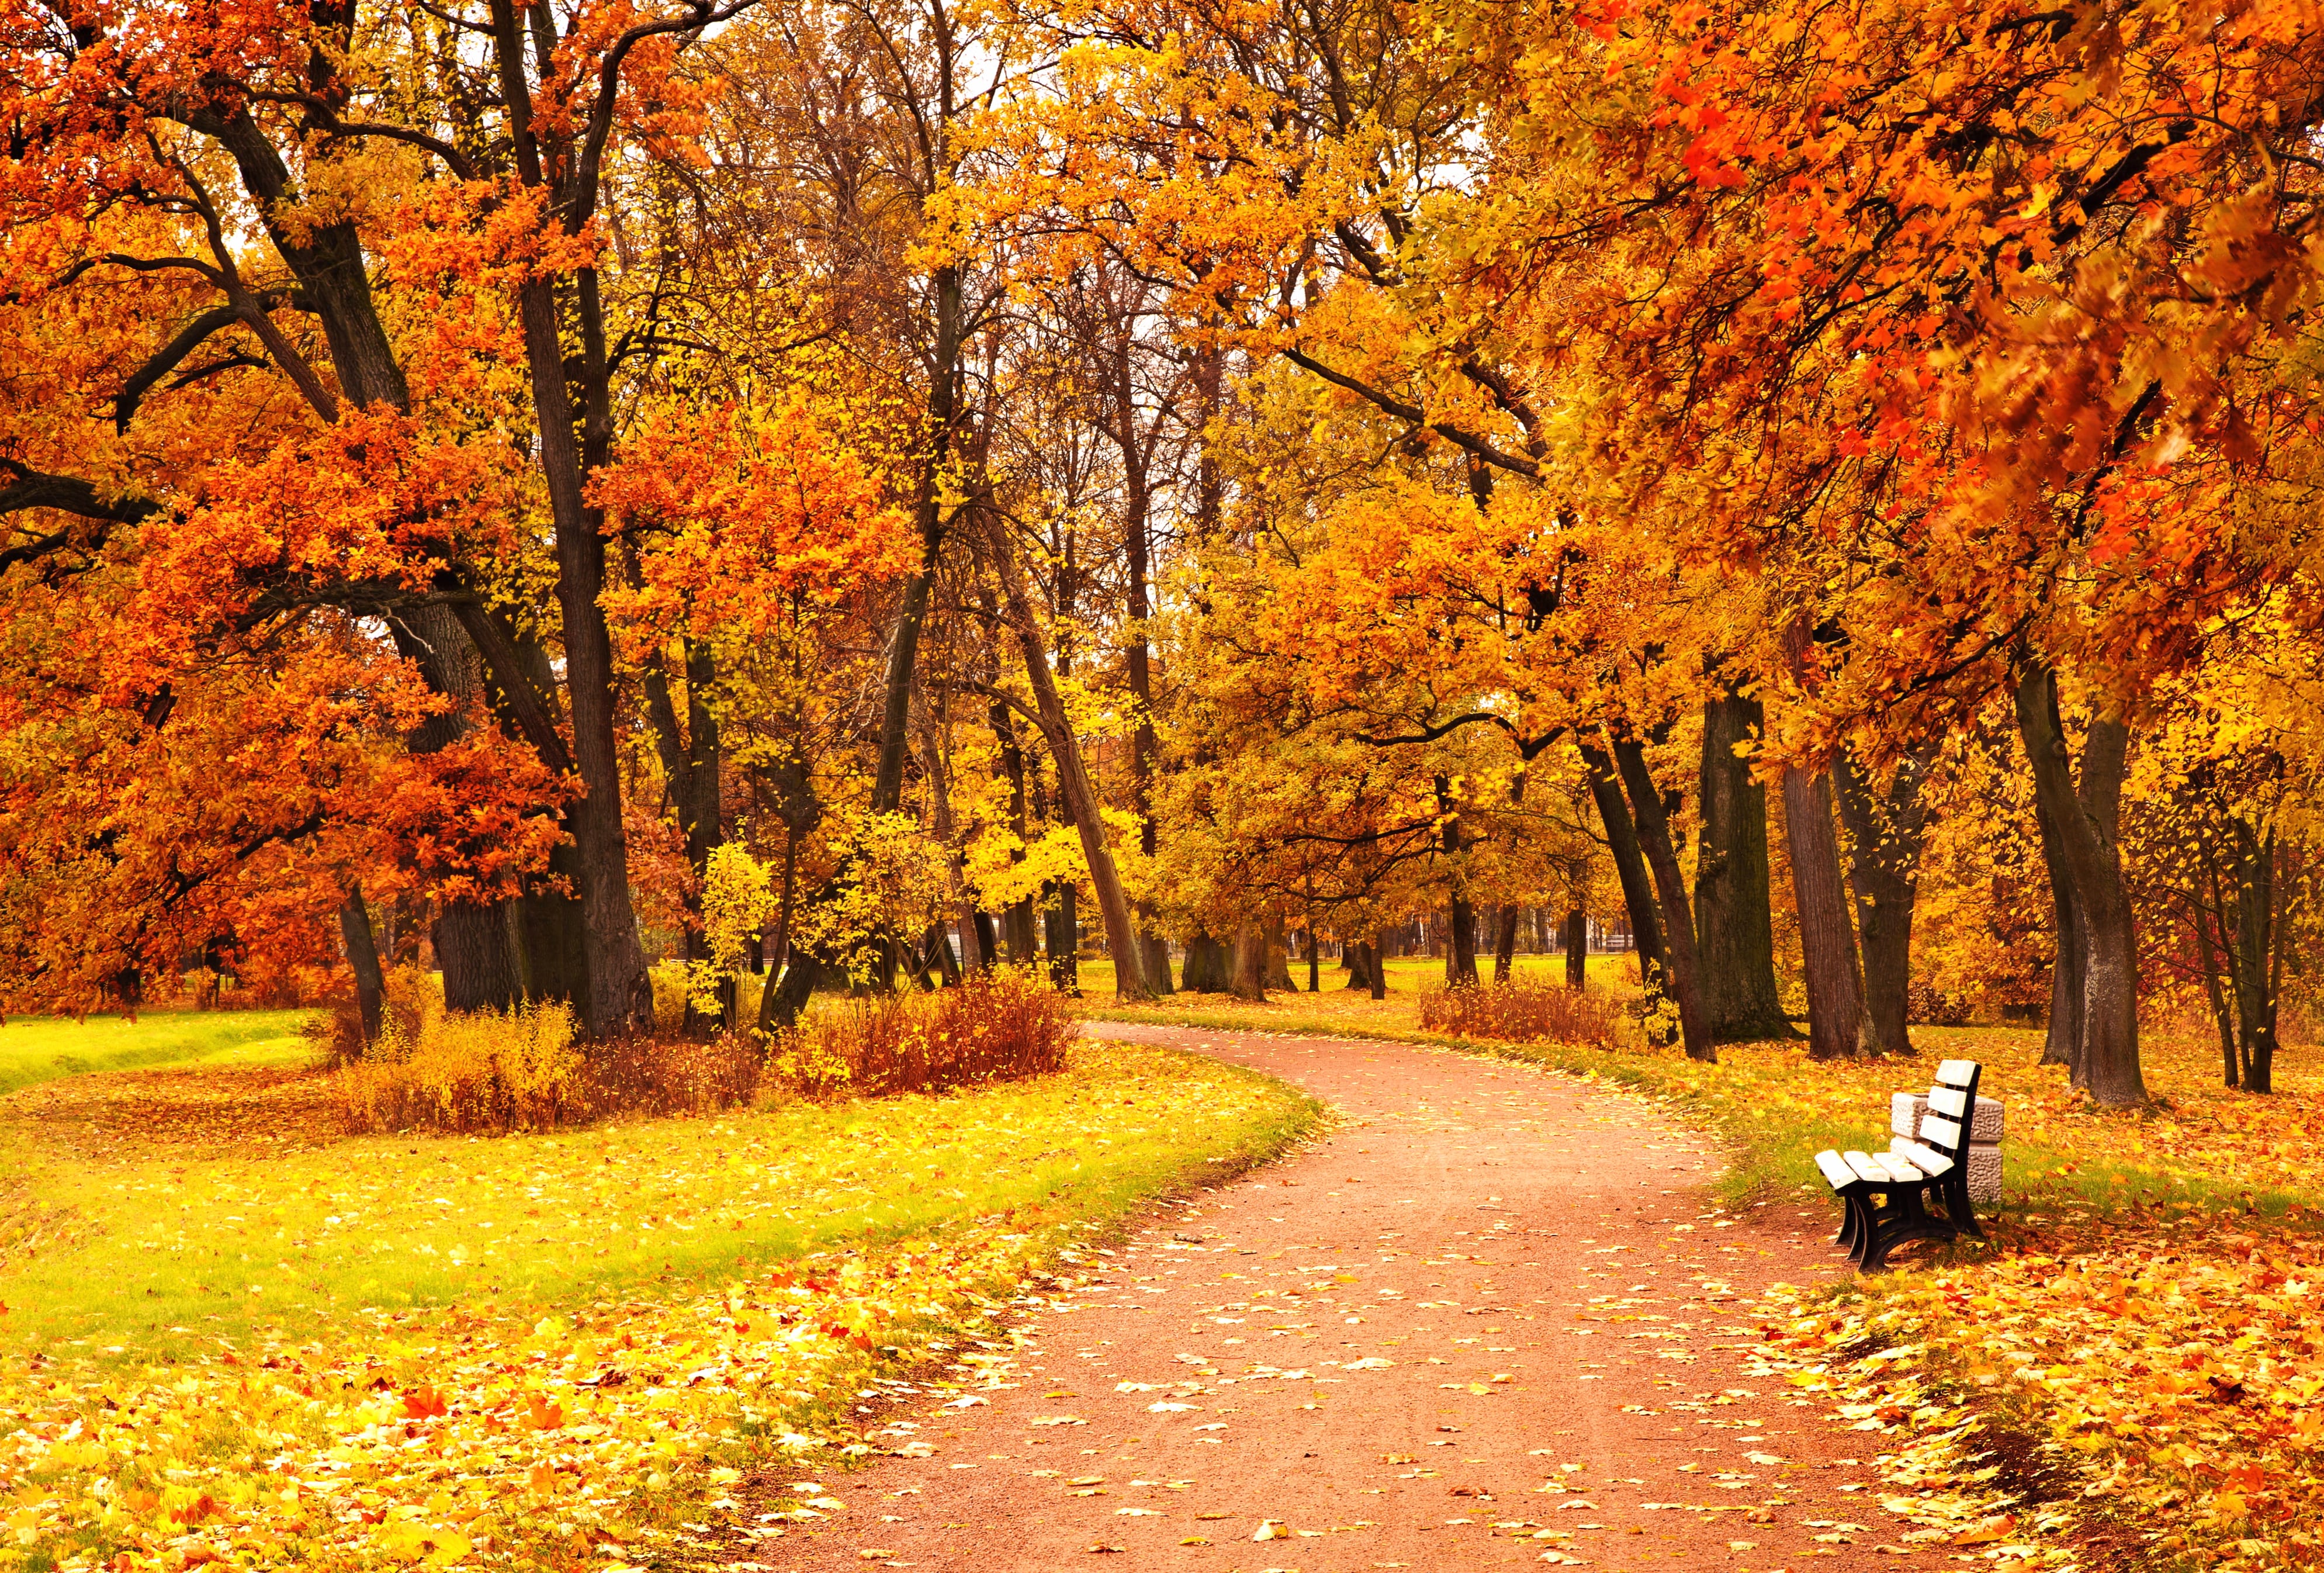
x,y
2107,1062
1073,782
1886,833
362,960
1827,941
1685,987
1629,864
1734,925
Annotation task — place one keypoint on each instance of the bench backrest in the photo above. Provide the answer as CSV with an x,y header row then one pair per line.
x,y
1953,1104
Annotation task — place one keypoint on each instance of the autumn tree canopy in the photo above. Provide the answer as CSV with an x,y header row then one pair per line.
x,y
874,490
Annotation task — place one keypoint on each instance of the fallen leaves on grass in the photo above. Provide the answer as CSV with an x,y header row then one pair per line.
x,y
430,1437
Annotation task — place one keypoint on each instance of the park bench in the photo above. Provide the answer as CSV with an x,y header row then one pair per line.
x,y
1885,1196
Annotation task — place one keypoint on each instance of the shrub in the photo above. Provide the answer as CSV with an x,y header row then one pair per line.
x,y
522,1070
1522,1013
996,1026
1925,1005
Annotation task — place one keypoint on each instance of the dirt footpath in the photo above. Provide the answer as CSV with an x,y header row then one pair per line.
x,y
1493,1320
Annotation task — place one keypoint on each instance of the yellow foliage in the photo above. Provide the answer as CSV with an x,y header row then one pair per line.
x,y
468,1071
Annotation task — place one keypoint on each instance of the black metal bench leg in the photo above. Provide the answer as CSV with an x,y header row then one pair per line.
x,y
1959,1209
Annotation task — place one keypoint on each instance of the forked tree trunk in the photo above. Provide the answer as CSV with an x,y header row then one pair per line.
x,y
2106,1061
1734,925
1886,833
1685,974
1827,938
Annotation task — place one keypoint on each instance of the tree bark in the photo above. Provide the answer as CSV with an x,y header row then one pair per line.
x,y
1073,782
362,960
1208,969
2257,953
1827,938
1247,975
1629,864
2107,1060
929,515
1734,925
1504,943
1685,974
1061,933
1577,949
2063,1040
1886,832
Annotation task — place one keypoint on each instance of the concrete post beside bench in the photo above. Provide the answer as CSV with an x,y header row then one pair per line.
x,y
1984,1156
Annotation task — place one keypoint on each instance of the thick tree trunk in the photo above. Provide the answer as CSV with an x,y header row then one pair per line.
x,y
1208,968
1886,833
362,960
1653,822
1247,972
1374,968
1629,864
1827,938
2107,1062
1460,941
1073,782
1577,949
1504,943
1360,968
1734,925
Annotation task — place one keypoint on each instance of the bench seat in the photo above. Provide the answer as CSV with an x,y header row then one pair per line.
x,y
1886,1196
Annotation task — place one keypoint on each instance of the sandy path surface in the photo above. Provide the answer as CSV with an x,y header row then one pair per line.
x,y
1493,1320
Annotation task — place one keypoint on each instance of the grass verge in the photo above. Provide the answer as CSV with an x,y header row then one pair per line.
x,y
37,1048
446,1349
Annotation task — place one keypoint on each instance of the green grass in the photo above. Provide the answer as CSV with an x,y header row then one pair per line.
x,y
38,1048
159,1253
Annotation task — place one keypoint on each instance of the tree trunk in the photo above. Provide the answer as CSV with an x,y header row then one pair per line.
x,y
1062,925
1629,864
689,762
1734,926
1827,940
929,515
1017,920
1360,967
1208,969
2258,953
1073,782
1247,975
2107,1062
362,960
619,999
1315,962
1279,953
2063,1039
1504,943
1886,833
1577,949
1374,968
1685,974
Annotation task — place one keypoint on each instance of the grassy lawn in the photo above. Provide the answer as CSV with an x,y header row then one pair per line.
x,y
335,1349
37,1048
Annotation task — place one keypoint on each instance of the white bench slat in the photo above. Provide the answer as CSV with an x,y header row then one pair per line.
x,y
1940,1133
1931,1163
1866,1170
1956,1072
1951,1101
1836,1171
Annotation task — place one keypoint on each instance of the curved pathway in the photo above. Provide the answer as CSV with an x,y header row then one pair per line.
x,y
1492,1319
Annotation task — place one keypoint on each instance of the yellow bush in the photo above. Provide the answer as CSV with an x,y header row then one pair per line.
x,y
994,1026
482,1071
